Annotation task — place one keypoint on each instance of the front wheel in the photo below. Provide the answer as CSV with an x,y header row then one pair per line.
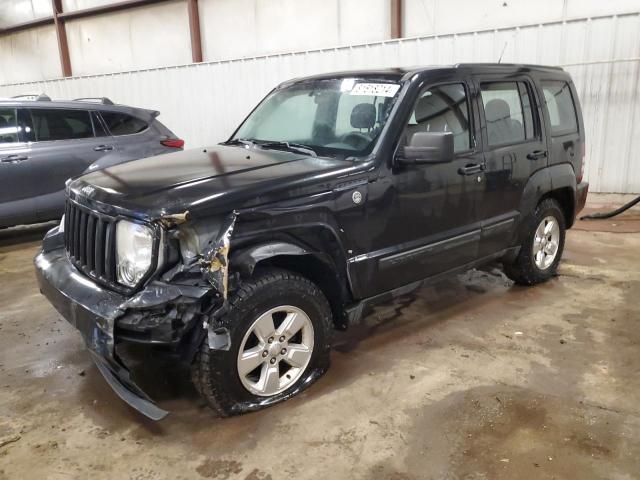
x,y
280,326
542,249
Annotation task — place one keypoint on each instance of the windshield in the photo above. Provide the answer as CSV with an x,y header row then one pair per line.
x,y
336,117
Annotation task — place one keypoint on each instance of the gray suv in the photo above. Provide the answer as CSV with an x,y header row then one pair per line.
x,y
43,143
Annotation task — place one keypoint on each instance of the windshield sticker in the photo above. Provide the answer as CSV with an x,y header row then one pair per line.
x,y
375,89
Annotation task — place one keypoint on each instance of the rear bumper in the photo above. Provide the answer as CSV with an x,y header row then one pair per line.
x,y
92,310
582,190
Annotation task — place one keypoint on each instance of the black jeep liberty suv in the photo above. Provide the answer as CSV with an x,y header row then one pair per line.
x,y
337,192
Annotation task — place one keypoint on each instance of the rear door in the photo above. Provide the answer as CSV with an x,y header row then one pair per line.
x,y
565,142
16,188
131,135
514,149
64,146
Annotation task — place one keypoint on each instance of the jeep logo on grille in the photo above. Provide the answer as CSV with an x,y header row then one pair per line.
x,y
87,190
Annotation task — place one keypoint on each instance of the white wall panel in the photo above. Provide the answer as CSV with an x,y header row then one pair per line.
x,y
428,17
204,102
240,28
140,38
71,5
30,53
20,11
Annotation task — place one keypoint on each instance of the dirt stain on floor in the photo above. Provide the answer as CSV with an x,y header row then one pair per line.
x,y
506,433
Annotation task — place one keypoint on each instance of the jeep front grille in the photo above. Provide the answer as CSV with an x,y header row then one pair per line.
x,y
90,241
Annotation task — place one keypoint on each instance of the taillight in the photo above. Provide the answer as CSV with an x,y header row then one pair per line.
x,y
582,162
173,143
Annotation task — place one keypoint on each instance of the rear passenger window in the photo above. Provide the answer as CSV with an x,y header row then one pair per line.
x,y
8,126
123,124
443,108
60,124
509,112
562,111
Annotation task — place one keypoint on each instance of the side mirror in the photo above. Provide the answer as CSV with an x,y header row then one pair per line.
x,y
427,147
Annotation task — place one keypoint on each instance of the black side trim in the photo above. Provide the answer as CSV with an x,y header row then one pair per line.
x,y
430,249
358,310
498,227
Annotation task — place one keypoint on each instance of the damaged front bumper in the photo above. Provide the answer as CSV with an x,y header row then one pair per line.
x,y
96,312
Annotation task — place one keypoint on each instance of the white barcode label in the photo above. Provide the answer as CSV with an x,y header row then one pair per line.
x,y
375,89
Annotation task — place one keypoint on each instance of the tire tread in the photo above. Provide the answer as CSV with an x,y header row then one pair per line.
x,y
523,270
205,374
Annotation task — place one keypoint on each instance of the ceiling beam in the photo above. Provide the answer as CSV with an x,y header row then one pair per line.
x,y
396,18
109,8
26,25
75,14
61,34
194,30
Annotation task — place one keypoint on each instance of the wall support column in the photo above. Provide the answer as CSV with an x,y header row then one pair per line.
x,y
396,18
194,29
61,34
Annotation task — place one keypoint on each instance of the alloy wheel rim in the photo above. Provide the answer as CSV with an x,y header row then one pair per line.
x,y
546,242
275,350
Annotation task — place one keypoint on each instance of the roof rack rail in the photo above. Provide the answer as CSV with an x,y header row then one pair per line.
x,y
102,100
38,97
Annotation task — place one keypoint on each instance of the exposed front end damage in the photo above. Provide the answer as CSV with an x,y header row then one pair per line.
x,y
215,260
172,310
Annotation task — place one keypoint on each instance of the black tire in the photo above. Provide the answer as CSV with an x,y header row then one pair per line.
x,y
524,270
214,372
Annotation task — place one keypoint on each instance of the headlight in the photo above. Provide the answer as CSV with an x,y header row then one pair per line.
x,y
134,250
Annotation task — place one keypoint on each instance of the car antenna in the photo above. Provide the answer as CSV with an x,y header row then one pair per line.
x,y
503,49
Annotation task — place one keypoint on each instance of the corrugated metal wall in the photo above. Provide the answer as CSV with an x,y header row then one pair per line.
x,y
204,102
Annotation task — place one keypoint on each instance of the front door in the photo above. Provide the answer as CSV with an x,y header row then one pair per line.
x,y
515,149
429,214
16,187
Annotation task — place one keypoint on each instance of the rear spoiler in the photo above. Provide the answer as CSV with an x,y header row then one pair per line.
x,y
144,114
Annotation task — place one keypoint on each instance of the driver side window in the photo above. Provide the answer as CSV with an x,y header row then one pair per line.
x,y
442,108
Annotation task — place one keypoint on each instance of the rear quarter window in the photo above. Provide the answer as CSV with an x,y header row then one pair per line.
x,y
123,124
561,107
60,124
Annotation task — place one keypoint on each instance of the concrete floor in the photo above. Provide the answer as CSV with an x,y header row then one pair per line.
x,y
472,378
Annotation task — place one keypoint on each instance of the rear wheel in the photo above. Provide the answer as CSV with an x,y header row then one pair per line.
x,y
542,249
280,327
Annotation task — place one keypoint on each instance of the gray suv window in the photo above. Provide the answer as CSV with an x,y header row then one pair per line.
x,y
123,124
8,126
97,125
60,124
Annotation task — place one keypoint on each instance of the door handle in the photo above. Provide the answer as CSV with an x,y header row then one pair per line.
x,y
471,169
536,154
13,158
103,148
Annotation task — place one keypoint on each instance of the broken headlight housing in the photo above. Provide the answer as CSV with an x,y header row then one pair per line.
x,y
134,252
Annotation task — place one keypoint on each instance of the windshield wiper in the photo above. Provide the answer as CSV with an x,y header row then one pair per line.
x,y
240,141
296,147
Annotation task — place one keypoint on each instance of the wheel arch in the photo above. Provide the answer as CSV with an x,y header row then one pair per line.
x,y
321,266
557,182
565,197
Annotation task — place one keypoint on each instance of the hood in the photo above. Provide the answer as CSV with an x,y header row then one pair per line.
x,y
213,179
